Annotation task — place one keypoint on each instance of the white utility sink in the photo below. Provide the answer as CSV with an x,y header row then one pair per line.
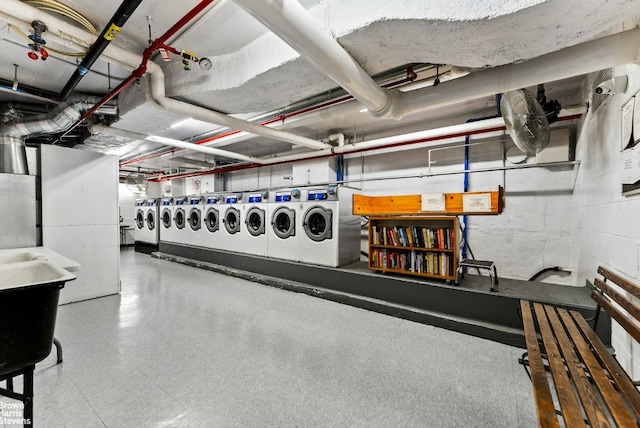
x,y
20,257
28,273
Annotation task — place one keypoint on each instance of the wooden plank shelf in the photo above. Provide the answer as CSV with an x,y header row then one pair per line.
x,y
399,247
364,205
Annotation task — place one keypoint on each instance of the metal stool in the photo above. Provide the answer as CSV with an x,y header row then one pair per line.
x,y
478,264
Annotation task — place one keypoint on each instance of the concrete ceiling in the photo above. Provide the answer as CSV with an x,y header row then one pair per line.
x,y
254,72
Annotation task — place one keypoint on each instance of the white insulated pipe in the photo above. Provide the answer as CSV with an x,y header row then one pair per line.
x,y
291,22
102,129
157,93
617,49
12,10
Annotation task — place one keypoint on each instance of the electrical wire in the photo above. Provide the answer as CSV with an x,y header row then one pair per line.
x,y
55,6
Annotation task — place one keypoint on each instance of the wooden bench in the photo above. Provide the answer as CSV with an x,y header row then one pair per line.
x,y
576,381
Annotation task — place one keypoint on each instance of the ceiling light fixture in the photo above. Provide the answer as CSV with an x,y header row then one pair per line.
x,y
180,123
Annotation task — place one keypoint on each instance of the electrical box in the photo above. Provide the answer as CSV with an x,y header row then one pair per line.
x,y
559,148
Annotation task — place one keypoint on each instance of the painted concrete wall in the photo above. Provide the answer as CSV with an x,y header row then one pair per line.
x,y
605,223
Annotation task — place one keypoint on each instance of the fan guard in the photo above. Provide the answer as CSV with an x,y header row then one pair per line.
x,y
525,121
137,182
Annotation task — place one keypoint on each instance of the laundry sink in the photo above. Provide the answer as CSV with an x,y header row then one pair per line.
x,y
24,256
29,273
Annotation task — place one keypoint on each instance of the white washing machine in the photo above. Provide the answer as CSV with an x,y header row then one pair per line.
x,y
176,233
166,218
138,216
255,222
283,211
211,219
329,232
150,234
194,212
232,225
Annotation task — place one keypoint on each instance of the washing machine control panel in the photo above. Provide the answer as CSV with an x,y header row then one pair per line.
x,y
321,195
288,195
233,198
140,202
152,202
166,201
258,197
195,200
213,199
181,200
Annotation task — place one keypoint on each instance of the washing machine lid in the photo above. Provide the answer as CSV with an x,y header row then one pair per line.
x,y
212,219
317,223
140,219
283,222
231,220
179,218
166,218
255,221
195,218
151,219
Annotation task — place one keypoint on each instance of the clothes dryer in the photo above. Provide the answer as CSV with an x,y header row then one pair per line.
x,y
210,231
330,233
255,222
283,211
232,239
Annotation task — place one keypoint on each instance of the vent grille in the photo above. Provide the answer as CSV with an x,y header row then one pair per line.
x,y
599,99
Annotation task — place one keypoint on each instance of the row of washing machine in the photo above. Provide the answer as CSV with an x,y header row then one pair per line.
x,y
313,225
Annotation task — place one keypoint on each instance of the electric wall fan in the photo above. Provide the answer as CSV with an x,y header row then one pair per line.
x,y
527,118
137,182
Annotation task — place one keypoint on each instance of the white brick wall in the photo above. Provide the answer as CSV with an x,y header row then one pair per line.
x,y
606,230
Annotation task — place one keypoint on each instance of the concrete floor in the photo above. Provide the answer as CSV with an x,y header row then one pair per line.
x,y
184,347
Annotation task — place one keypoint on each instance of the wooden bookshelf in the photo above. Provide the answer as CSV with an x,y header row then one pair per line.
x,y
422,246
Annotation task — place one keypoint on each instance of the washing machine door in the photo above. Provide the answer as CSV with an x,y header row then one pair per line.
x,y
283,222
180,218
232,220
212,220
140,220
317,223
255,221
151,220
195,219
166,218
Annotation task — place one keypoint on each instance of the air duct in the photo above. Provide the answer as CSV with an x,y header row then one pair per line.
x,y
13,155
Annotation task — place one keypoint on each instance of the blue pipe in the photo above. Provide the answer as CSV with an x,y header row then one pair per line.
x,y
340,169
465,183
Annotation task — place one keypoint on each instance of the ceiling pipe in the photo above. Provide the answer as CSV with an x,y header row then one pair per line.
x,y
102,129
291,22
295,26
13,10
109,32
611,51
405,140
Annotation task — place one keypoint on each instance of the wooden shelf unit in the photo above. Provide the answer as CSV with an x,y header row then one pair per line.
x,y
424,246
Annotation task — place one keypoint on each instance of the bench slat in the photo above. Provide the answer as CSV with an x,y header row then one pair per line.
x,y
610,396
620,281
542,393
631,328
566,396
613,367
629,306
592,408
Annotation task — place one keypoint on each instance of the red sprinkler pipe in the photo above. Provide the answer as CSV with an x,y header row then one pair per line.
x,y
236,167
146,54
